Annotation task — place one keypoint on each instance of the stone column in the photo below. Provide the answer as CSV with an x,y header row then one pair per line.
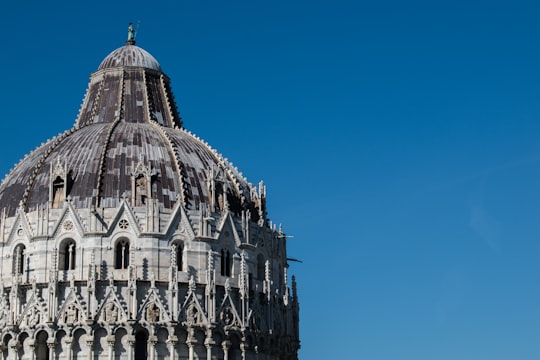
x,y
111,341
131,344
90,347
14,346
172,341
190,343
226,345
69,344
243,348
32,346
191,350
152,341
209,343
51,344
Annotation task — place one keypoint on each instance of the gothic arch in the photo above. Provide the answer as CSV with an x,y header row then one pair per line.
x,y
40,345
61,348
80,346
100,342
121,345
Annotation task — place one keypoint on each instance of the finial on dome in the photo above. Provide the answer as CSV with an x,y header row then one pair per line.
x,y
131,35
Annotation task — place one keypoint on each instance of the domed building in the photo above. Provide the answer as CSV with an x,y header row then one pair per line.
x,y
128,237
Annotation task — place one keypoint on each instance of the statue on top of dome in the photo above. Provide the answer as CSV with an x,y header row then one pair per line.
x,y
131,34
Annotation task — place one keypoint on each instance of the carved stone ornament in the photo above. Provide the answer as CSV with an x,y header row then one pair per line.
x,y
110,313
68,225
3,314
32,318
152,313
71,315
123,224
227,316
193,316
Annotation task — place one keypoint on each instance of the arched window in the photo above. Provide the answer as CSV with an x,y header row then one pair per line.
x,y
67,255
225,263
19,258
42,351
122,254
260,267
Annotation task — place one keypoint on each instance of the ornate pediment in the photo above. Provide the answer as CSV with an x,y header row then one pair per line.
x,y
152,310
72,311
111,310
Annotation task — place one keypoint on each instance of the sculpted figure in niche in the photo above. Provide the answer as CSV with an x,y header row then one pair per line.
x,y
110,313
152,313
32,317
71,316
227,316
193,315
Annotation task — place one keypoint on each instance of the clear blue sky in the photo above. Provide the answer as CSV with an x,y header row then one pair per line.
x,y
400,143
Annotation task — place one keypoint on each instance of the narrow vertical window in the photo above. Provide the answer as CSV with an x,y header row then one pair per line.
x,y
67,255
222,262
122,255
141,186
19,259
179,253
141,345
58,189
228,264
260,267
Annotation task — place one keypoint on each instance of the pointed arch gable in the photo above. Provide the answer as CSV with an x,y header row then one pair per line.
x,y
191,301
21,223
179,225
124,212
65,310
34,312
62,225
153,298
111,297
228,313
227,225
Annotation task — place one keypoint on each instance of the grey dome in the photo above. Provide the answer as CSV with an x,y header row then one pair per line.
x,y
128,120
130,55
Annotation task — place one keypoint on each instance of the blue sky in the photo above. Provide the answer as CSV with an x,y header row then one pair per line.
x,y
399,142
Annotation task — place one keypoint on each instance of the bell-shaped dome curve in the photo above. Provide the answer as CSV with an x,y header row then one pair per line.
x,y
130,55
128,121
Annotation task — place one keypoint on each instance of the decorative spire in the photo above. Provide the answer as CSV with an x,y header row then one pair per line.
x,y
131,35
